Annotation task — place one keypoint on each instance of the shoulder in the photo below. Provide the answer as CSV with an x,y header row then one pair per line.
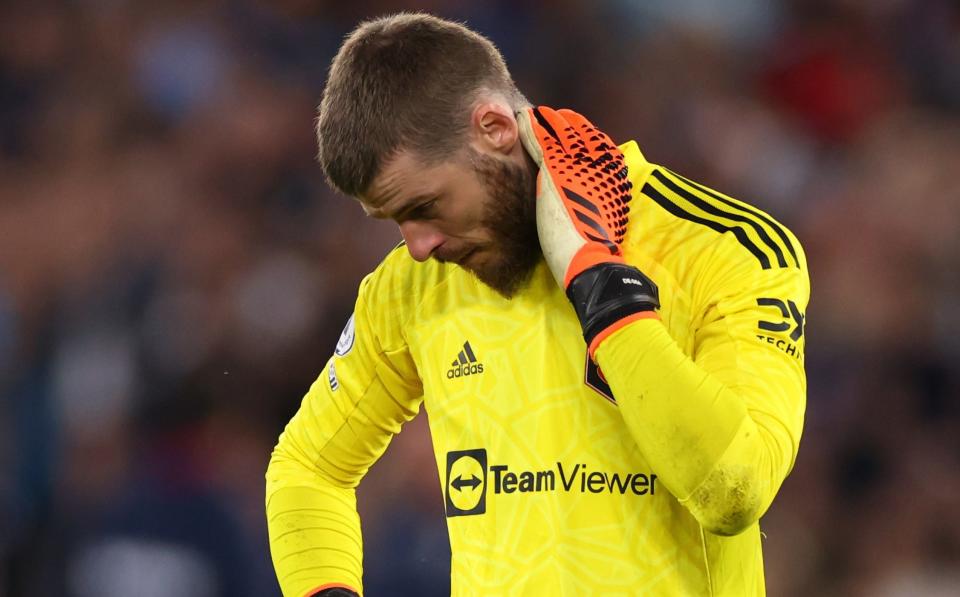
x,y
752,234
715,244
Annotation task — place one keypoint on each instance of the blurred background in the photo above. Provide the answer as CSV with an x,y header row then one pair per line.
x,y
174,272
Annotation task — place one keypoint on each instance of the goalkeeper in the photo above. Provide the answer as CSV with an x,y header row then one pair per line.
x,y
610,354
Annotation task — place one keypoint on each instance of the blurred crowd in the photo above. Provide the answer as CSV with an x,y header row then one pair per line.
x,y
174,272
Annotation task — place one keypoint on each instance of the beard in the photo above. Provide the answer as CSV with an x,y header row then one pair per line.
x,y
510,217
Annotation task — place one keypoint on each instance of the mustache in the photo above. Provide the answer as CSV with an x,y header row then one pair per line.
x,y
453,256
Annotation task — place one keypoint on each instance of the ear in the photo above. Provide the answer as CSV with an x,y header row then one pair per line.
x,y
494,128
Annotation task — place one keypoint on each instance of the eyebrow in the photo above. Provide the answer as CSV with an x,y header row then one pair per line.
x,y
405,207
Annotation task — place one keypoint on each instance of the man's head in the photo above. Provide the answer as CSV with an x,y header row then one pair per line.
x,y
417,122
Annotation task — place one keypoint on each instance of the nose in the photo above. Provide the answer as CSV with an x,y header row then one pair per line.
x,y
421,239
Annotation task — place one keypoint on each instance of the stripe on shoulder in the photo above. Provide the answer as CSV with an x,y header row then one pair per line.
x,y
762,236
777,228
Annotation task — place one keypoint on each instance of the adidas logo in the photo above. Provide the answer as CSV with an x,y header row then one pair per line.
x,y
465,364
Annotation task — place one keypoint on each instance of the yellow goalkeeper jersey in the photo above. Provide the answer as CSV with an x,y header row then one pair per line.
x,y
643,476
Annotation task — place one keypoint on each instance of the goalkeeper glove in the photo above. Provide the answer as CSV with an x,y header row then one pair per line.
x,y
583,199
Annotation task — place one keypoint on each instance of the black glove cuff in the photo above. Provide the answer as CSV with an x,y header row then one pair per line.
x,y
608,292
335,592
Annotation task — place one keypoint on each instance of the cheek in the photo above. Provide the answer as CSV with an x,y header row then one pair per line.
x,y
464,215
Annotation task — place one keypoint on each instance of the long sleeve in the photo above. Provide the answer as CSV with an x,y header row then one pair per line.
x,y
720,426
344,424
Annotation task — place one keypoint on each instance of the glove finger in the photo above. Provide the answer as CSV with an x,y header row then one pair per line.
x,y
540,137
594,139
612,186
555,125
593,183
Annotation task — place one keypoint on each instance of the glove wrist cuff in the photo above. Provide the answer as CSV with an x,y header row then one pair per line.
x,y
608,293
335,591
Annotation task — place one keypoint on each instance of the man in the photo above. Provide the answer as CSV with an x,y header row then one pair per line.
x,y
609,353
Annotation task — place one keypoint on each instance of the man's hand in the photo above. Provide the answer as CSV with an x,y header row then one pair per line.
x,y
583,201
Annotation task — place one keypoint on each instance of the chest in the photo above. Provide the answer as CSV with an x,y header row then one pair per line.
x,y
497,368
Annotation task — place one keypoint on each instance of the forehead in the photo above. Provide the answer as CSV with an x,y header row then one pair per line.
x,y
403,178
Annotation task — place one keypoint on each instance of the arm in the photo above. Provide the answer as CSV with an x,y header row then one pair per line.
x,y
721,429
366,391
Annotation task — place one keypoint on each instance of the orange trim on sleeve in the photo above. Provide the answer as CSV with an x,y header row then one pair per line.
x,y
592,349
330,585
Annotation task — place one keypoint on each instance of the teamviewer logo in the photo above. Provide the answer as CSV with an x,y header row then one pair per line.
x,y
466,482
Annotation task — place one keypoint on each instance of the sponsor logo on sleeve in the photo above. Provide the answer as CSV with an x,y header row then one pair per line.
x,y
345,343
783,330
332,377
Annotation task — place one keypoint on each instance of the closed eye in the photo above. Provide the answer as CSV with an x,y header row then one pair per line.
x,y
424,211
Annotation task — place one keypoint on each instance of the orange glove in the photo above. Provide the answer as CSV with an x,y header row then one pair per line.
x,y
583,197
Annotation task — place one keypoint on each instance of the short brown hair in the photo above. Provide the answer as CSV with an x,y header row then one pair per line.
x,y
404,81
